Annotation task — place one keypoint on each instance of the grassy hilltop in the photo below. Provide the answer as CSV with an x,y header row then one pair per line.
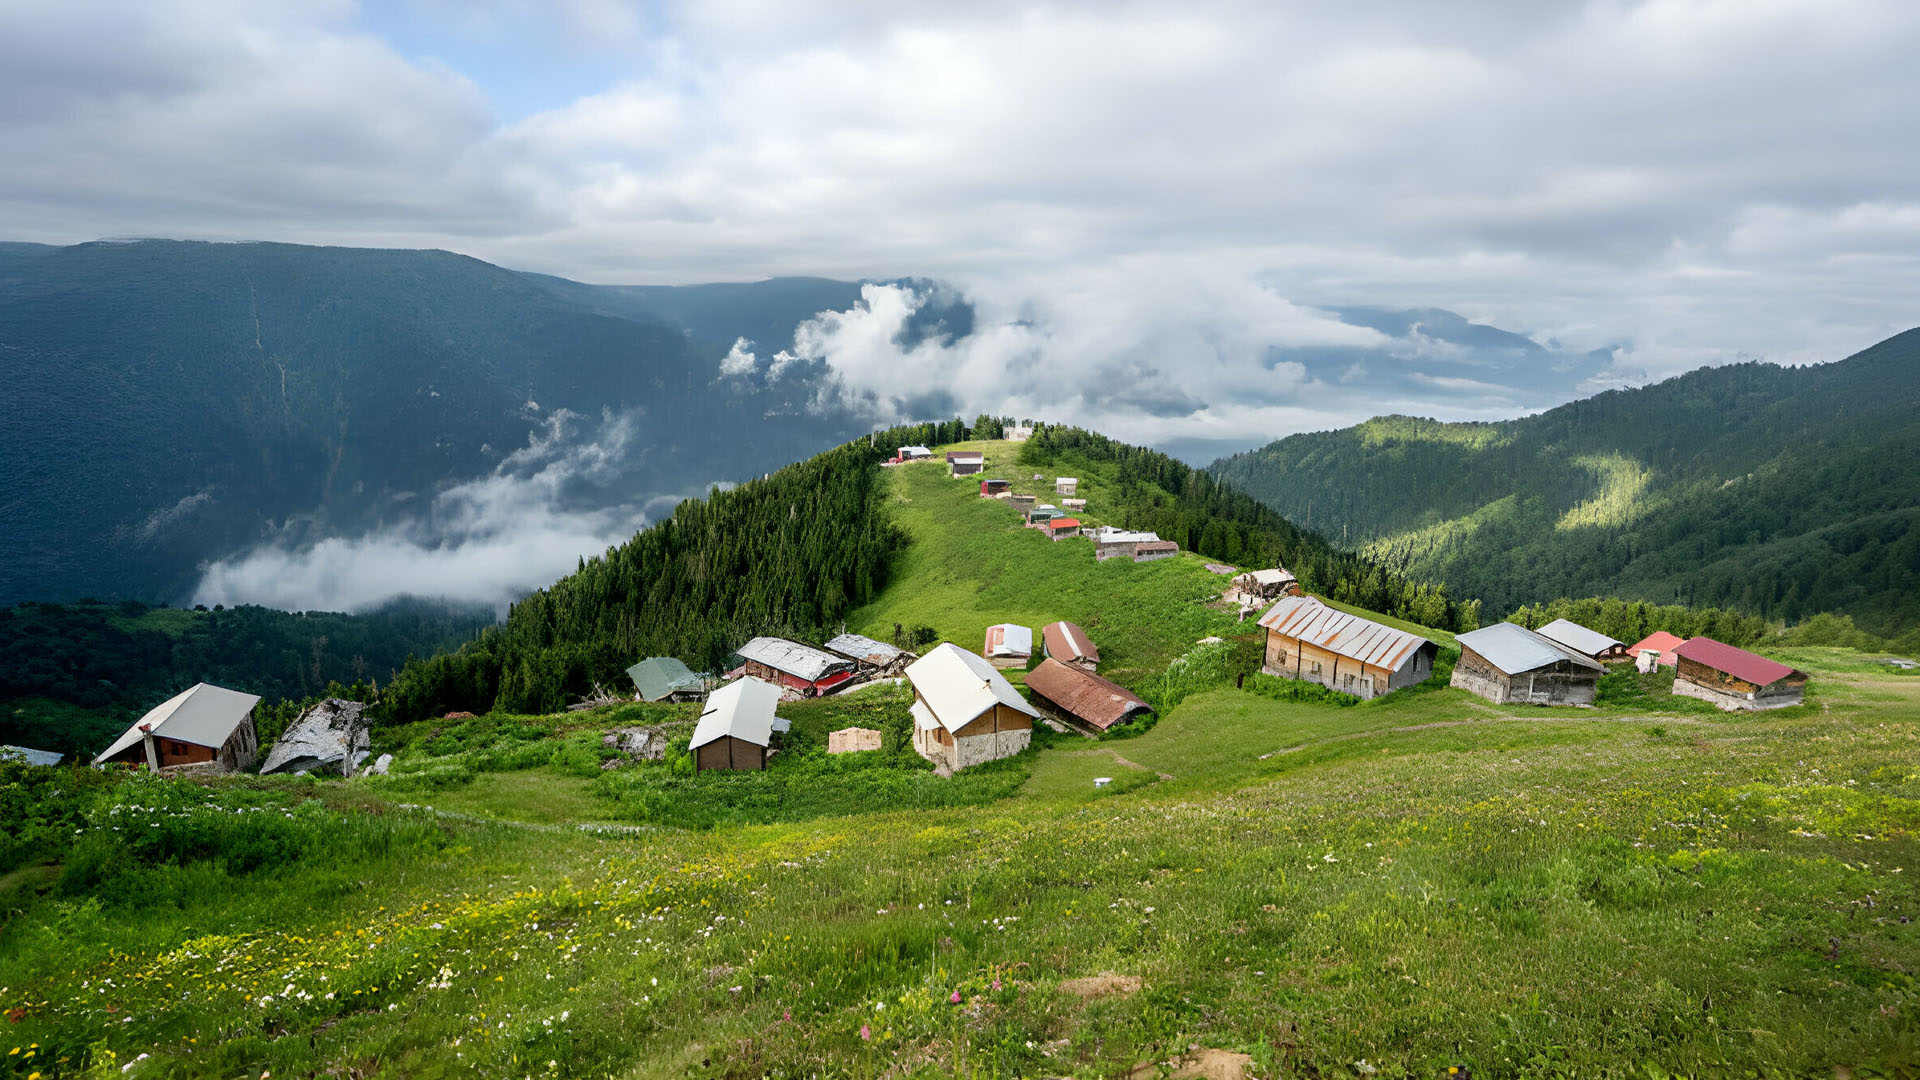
x,y
1389,888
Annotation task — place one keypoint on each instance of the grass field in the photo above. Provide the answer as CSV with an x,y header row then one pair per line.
x,y
1649,888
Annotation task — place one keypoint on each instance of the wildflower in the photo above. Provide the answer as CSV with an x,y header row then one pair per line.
x,y
996,984
955,999
865,1032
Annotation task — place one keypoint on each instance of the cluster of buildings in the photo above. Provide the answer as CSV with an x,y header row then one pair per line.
x,y
1561,664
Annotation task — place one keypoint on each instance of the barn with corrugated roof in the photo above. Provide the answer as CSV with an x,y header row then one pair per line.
x,y
1734,678
1081,698
1310,641
1506,662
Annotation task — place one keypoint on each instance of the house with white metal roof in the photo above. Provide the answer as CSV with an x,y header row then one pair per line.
x,y
1008,645
964,711
736,727
1591,644
1509,663
1310,641
204,728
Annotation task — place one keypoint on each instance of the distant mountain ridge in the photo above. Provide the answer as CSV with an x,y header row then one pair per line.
x,y
1784,491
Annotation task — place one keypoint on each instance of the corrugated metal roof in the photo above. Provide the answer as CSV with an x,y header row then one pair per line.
x,y
742,709
1576,637
1315,623
1107,534
1100,702
203,715
31,756
865,649
1738,663
791,657
965,457
1059,523
656,677
1066,479
1659,641
915,451
1514,649
958,686
1066,641
1274,576
1006,639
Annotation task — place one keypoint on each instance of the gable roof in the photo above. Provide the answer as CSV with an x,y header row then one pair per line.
x,y
742,709
1107,534
966,456
1515,649
1100,702
1063,523
1152,546
1660,641
916,451
1066,641
958,686
657,677
1336,631
865,649
1006,639
1273,576
1576,637
1739,663
203,714
791,657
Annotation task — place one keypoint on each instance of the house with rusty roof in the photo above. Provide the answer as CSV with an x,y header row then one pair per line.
x,y
1079,697
1310,641
1735,679
1506,662
1070,645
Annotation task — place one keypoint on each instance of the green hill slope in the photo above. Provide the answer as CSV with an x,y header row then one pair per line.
x,y
1782,491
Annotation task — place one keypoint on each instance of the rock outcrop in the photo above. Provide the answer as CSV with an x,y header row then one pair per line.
x,y
329,737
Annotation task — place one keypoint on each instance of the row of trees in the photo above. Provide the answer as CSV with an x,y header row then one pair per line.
x,y
1202,513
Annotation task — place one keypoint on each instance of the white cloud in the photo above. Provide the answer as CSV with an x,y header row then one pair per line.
x,y
739,361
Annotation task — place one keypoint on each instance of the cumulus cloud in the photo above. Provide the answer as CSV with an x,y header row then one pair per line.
x,y
488,540
739,361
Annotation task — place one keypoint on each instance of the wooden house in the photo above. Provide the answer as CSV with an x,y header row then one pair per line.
x,y
795,666
1069,645
1066,485
205,728
1735,679
665,678
966,462
1112,543
853,740
1008,646
1082,698
1154,550
1509,663
994,489
1269,584
965,712
870,656
1022,503
915,453
1038,516
737,726
1310,641
1656,650
1074,505
1591,644
1062,527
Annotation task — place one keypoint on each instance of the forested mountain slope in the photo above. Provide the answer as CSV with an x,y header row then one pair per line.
x,y
1782,491
174,402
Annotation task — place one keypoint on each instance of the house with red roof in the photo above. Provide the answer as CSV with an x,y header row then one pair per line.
x,y
1661,645
1735,678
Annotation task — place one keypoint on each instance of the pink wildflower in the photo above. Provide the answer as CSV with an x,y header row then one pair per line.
x,y
955,999
996,984
866,1032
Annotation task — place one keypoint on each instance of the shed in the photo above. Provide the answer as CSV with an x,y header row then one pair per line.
x,y
1155,549
1591,644
871,655
794,666
853,740
29,756
1022,503
1066,485
965,462
965,712
1269,584
331,736
1062,527
1510,663
1082,698
1734,678
1656,650
1040,515
736,727
1008,645
665,678
1068,644
1074,504
915,453
1310,641
993,489
204,728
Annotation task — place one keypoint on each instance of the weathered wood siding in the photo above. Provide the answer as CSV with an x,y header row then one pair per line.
x,y
729,753
1291,658
1561,683
1696,680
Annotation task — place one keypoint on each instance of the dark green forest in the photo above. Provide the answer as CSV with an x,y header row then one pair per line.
x,y
1782,492
72,676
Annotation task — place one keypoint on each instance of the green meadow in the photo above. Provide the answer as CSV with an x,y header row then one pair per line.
x,y
1394,888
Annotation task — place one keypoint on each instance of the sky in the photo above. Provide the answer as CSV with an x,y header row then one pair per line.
x,y
1153,207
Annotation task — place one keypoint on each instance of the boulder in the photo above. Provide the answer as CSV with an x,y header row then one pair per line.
x,y
325,738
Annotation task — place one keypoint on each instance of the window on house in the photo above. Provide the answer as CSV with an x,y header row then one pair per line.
x,y
1316,667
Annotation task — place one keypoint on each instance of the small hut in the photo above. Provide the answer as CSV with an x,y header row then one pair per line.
x,y
1112,543
966,462
1270,584
1154,550
665,678
1074,505
1591,644
1022,503
1066,485
1070,645
965,712
1510,663
994,489
1735,679
736,728
1008,646
1062,527
915,453
204,728
1656,650
1081,698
